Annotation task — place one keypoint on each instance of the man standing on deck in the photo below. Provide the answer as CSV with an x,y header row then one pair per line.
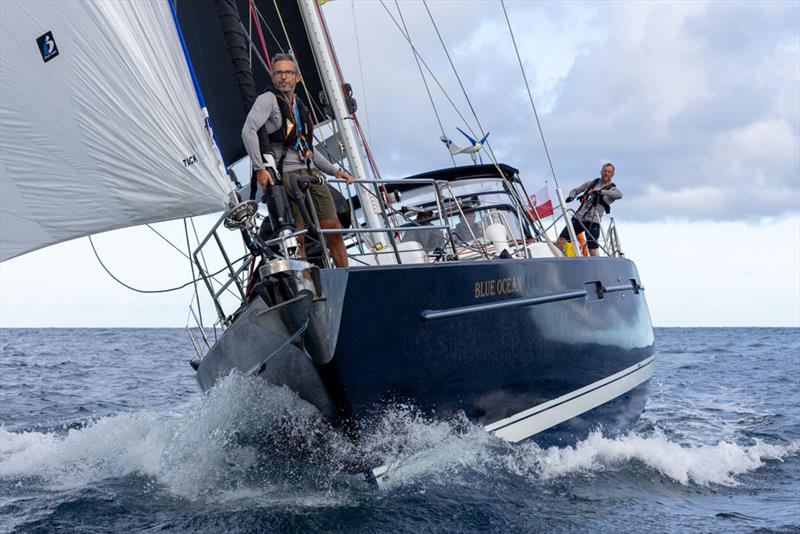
x,y
596,197
291,144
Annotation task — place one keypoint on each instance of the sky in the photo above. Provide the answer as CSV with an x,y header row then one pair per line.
x,y
697,104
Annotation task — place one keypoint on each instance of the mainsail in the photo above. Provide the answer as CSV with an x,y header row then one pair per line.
x,y
280,23
100,123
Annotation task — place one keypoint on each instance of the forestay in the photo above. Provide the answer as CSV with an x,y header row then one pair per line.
x,y
100,124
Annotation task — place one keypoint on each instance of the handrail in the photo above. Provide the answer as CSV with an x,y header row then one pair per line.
x,y
519,205
388,181
369,230
610,237
464,218
446,201
586,231
441,201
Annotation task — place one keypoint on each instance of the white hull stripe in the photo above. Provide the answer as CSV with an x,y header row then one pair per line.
x,y
543,416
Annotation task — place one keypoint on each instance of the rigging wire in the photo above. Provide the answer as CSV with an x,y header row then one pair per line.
x,y
249,32
361,69
353,116
444,92
202,254
150,291
170,243
425,64
254,49
424,80
191,266
271,34
530,95
291,47
460,83
260,36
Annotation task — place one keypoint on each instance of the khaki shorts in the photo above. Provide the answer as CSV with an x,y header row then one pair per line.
x,y
320,195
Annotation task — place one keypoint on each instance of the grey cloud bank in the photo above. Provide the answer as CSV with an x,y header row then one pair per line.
x,y
698,104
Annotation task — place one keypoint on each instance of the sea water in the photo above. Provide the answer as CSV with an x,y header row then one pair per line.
x,y
105,430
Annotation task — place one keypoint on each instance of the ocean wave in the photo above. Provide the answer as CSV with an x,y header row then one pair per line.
x,y
248,441
217,447
106,448
438,456
686,464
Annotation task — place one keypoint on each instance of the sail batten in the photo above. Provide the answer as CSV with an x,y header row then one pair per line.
x,y
106,132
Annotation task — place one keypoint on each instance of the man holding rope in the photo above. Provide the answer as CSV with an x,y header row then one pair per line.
x,y
595,197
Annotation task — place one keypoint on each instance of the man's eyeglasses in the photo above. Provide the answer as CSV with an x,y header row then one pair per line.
x,y
287,73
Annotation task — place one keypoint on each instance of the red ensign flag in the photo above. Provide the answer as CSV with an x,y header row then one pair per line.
x,y
542,203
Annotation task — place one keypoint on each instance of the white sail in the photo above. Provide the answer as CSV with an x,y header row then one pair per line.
x,y
100,125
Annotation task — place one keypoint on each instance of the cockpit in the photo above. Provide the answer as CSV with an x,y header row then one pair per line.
x,y
462,213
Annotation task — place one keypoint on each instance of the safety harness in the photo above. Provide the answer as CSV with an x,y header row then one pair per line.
x,y
589,198
296,131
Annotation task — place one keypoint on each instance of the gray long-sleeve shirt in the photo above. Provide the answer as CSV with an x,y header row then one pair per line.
x,y
594,213
266,112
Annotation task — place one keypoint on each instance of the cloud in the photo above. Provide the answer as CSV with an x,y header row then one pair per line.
x,y
695,124
698,104
755,154
741,177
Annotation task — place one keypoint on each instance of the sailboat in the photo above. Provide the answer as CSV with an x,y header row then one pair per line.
x,y
455,299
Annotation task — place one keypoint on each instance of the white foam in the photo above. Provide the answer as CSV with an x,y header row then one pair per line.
x,y
698,464
414,448
110,447
204,452
215,450
215,445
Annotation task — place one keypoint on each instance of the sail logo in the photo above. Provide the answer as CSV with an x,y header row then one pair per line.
x,y
47,46
190,160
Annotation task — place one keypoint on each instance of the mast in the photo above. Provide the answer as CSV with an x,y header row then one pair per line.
x,y
324,54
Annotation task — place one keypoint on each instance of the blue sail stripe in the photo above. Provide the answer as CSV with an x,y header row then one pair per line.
x,y
197,90
196,84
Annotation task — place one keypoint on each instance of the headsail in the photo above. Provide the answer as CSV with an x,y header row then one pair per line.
x,y
100,126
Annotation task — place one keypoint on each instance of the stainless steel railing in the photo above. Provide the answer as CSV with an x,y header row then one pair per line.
x,y
527,225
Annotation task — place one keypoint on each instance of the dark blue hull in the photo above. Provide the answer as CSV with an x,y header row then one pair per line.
x,y
540,348
549,348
